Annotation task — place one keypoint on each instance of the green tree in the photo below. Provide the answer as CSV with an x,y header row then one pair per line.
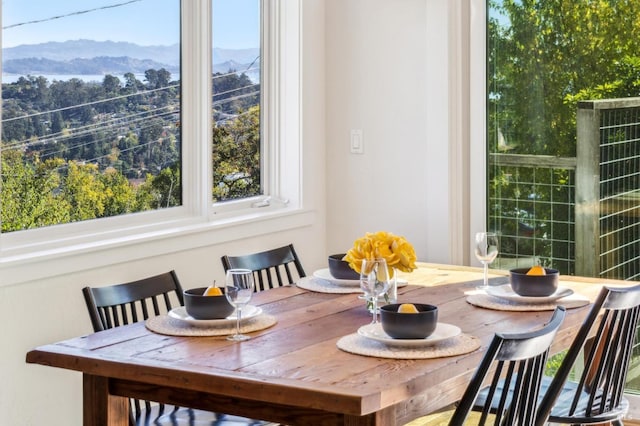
x,y
145,196
545,52
27,197
111,87
57,123
166,187
132,84
236,157
119,194
84,191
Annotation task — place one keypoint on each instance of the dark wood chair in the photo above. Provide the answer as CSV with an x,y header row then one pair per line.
x,y
607,336
270,267
519,360
122,304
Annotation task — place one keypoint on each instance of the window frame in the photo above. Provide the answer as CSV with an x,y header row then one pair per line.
x,y
112,240
477,120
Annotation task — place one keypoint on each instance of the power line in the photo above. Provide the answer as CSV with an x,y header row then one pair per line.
x,y
75,132
138,93
79,12
217,75
234,90
251,64
144,92
224,120
73,146
235,98
126,120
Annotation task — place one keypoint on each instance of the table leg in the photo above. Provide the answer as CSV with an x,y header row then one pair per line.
x,y
99,407
385,417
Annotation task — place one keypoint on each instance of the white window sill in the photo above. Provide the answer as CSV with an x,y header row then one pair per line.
x,y
29,266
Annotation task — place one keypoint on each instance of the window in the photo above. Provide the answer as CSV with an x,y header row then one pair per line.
x,y
91,110
236,100
562,186
187,200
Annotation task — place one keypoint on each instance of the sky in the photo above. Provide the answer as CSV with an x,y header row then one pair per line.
x,y
144,22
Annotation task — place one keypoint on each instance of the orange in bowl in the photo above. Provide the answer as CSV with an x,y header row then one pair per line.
x,y
212,291
408,308
536,270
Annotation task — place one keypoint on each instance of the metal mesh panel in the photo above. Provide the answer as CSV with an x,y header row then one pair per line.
x,y
532,208
620,193
619,220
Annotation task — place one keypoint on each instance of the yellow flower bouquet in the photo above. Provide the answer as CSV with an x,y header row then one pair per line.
x,y
395,250
398,253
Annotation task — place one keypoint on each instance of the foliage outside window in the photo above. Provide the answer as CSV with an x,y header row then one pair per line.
x,y
543,57
79,143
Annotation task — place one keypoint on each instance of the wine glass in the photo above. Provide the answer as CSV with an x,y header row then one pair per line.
x,y
374,281
486,251
238,290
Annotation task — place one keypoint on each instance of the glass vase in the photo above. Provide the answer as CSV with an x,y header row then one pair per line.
x,y
390,296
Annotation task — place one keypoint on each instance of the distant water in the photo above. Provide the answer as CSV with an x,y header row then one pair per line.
x,y
12,78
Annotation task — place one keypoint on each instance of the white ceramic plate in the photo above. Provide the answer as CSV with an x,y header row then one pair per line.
x,y
324,274
180,313
506,292
442,332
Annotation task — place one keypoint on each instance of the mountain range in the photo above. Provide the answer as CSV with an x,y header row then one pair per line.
x,y
98,57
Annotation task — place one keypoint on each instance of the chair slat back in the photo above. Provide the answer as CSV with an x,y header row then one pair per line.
x,y
269,267
614,319
122,304
519,359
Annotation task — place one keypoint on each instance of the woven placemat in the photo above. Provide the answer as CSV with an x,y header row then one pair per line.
x,y
360,345
498,304
164,324
325,286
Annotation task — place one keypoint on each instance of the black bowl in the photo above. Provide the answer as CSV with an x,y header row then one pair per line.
x,y
206,307
534,285
340,269
400,325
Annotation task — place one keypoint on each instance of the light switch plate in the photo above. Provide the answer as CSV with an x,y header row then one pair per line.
x,y
357,144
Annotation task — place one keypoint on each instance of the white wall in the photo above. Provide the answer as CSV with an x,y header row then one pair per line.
x,y
374,65
386,75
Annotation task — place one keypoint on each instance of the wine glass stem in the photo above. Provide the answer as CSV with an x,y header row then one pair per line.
x,y
375,309
486,274
238,321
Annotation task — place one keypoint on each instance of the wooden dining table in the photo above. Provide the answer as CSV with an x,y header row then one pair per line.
x,y
293,372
